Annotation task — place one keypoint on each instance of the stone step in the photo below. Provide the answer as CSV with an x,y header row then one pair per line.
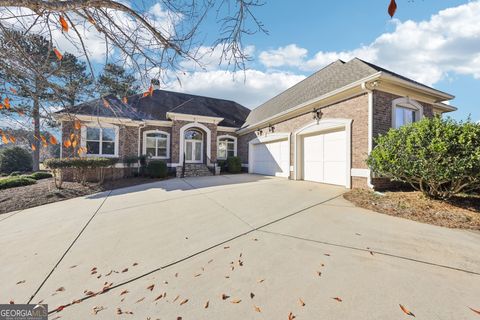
x,y
196,170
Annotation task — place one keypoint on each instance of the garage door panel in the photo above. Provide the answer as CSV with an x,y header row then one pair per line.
x,y
272,158
324,157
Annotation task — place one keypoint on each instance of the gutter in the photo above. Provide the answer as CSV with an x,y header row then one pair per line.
x,y
365,87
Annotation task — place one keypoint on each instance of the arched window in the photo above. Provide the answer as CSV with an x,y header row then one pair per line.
x,y
226,147
156,144
193,135
405,111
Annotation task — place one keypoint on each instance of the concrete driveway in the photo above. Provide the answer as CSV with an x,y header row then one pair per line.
x,y
264,242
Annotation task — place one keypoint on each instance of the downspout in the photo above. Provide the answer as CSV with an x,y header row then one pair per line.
x,y
140,127
365,86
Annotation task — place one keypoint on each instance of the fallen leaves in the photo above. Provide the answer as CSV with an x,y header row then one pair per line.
x,y
150,287
252,295
159,297
224,296
124,292
260,280
61,289
236,301
125,270
206,304
98,309
257,309
140,300
338,299
291,316
301,302
183,302
20,282
406,311
476,311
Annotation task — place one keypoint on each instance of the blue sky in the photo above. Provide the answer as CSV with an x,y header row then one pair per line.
x,y
425,41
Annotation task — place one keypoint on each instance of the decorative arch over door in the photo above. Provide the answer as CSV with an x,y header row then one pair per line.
x,y
208,141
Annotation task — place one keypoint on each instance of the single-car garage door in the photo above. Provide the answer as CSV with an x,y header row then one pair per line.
x,y
325,157
270,158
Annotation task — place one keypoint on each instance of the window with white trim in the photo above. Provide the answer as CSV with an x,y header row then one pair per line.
x,y
156,144
101,141
226,147
405,111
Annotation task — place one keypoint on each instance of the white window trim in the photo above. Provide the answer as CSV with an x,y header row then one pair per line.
x,y
83,140
227,136
144,151
406,103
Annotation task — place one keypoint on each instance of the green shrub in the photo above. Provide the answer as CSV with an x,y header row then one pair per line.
x,y
13,182
15,159
234,165
15,173
157,169
440,157
40,175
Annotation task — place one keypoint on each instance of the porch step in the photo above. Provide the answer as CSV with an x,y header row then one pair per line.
x,y
197,170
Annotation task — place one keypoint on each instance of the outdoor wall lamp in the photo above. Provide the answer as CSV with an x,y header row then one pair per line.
x,y
317,114
271,129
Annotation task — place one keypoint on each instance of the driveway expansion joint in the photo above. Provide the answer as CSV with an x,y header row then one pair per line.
x,y
69,248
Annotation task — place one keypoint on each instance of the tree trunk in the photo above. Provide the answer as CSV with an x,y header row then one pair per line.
x,y
36,132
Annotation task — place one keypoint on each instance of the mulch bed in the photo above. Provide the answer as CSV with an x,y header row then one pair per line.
x,y
44,192
459,212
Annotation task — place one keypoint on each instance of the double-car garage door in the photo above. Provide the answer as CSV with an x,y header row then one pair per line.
x,y
321,157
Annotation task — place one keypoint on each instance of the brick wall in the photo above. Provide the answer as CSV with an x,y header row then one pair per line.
x,y
355,108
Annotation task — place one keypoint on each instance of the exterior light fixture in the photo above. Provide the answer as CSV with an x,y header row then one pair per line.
x,y
317,114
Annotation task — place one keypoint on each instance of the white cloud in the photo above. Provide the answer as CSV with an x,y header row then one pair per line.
x,y
290,55
425,51
249,89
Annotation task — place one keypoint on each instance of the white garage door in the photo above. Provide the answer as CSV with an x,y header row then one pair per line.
x,y
271,158
325,158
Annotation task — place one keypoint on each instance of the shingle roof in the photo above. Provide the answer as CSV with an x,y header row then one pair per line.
x,y
155,107
334,76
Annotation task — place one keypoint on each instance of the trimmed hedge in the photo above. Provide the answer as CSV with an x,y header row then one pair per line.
x,y
40,175
157,169
234,165
13,182
15,159
82,164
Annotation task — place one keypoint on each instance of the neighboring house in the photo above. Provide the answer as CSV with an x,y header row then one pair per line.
x,y
321,129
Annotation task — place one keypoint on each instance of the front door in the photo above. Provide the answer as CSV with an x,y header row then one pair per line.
x,y
193,146
193,151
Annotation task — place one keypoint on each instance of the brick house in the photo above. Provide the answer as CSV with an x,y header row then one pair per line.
x,y
321,129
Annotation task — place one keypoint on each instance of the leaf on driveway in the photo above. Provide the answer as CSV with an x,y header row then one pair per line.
x,y
183,302
176,274
98,309
60,308
226,247
20,282
61,289
338,299
236,301
159,297
406,311
135,264
93,269
224,296
301,302
119,311
12,302
206,304
327,254
124,292
89,293
260,280
140,300
210,261
124,270
476,311
257,309
150,287
319,273
176,298
291,316
197,275
252,295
